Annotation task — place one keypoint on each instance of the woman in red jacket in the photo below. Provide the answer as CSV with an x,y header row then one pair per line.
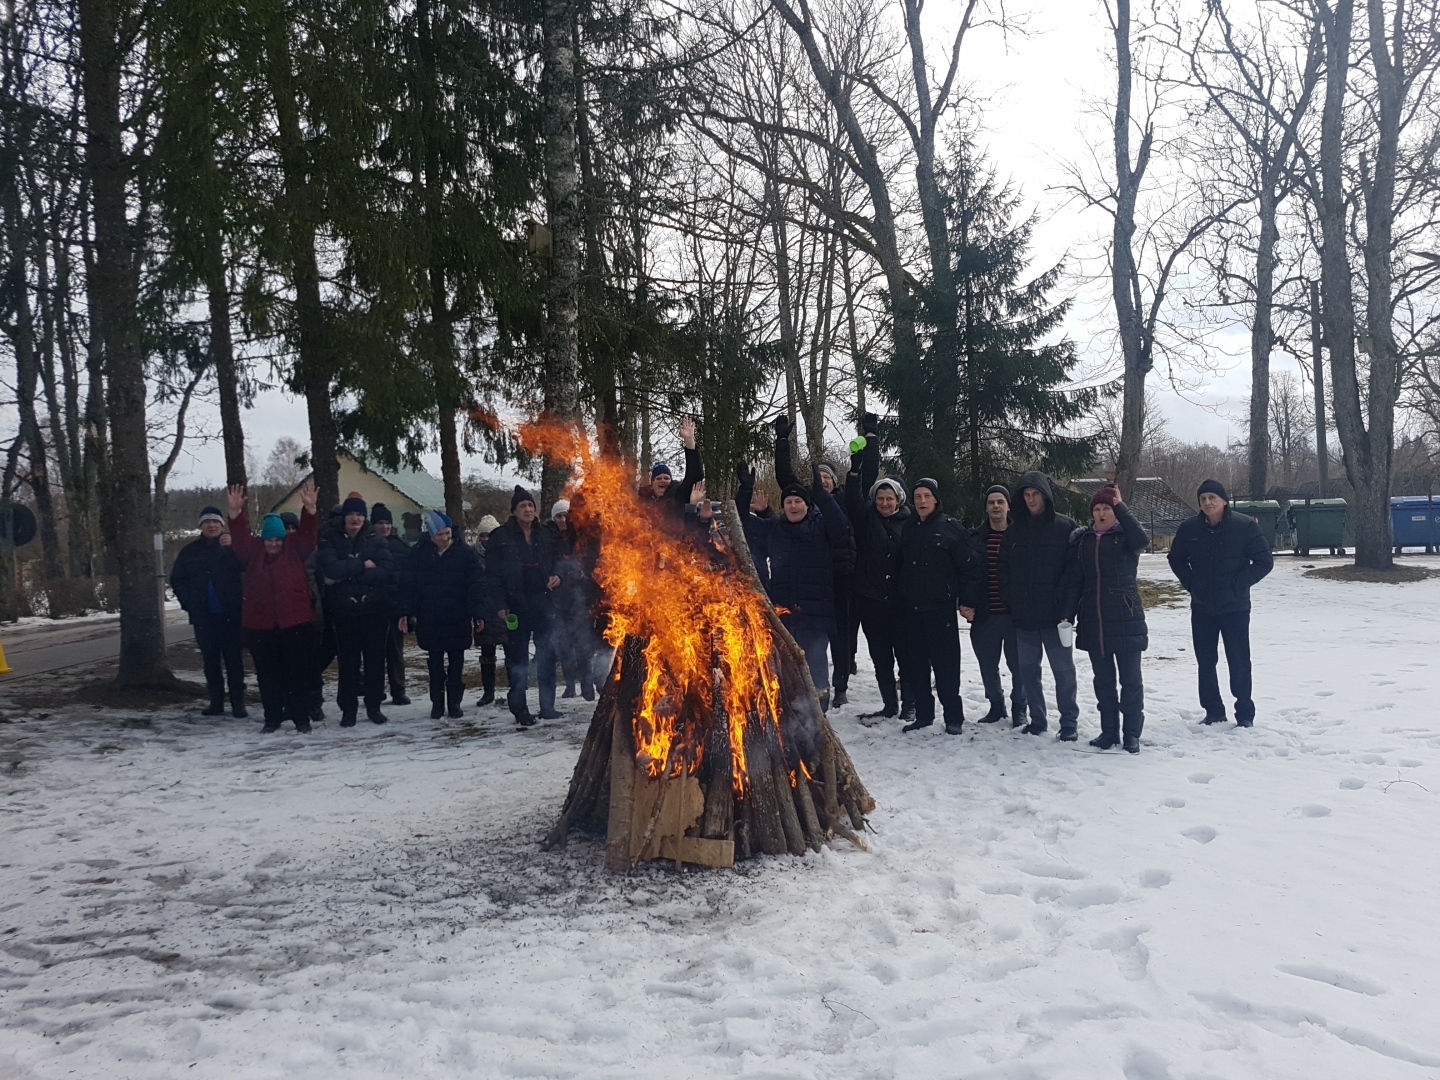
x,y
276,613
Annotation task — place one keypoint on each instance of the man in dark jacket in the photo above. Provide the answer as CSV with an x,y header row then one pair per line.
x,y
842,641
993,630
521,557
383,522
1218,555
878,515
206,579
357,573
672,496
794,554
1044,588
938,574
494,633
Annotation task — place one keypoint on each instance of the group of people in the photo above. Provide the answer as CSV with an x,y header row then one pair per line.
x,y
1032,583
839,554
301,596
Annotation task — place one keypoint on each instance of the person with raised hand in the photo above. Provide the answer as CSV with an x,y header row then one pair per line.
x,y
674,496
276,611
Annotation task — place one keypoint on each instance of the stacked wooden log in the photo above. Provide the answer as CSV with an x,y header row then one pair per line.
x,y
797,790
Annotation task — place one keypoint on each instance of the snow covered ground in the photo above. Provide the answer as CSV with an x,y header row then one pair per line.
x,y
182,897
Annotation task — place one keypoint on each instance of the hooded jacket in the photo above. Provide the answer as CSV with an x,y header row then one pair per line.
x,y
277,590
1044,582
1218,564
938,567
1111,618
799,556
350,588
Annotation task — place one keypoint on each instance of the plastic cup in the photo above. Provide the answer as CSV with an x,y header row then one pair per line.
x,y
512,622
857,444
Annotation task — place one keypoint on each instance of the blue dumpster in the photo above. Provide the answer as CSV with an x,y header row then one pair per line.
x,y
1415,520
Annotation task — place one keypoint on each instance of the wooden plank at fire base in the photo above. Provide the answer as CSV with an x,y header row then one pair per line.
x,y
681,802
622,765
699,850
719,817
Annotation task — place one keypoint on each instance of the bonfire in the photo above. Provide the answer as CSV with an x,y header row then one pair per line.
x,y
708,743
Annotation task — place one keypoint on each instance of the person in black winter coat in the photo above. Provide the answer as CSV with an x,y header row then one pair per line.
x,y
1111,621
357,574
575,600
494,635
444,598
383,522
206,578
842,641
670,496
794,553
993,630
938,575
878,516
522,559
1218,556
1043,588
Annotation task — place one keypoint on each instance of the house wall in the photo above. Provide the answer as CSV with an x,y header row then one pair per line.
x,y
372,489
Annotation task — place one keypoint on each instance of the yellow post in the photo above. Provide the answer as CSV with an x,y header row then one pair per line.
x,y
4,665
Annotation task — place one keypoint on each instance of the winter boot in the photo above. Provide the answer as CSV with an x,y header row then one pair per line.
x,y
916,725
1109,729
840,699
1245,723
1036,727
1105,740
397,697
1018,720
487,681
549,714
524,719
587,689
995,715
239,712
954,727
825,700
271,726
347,720
437,709
317,714
1214,718
908,713
303,726
1068,733
569,690
215,708
455,712
1132,744
375,716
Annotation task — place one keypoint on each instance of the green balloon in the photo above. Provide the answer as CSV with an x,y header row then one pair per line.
x,y
857,444
512,622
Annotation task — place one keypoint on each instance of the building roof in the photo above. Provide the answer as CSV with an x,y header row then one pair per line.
x,y
417,485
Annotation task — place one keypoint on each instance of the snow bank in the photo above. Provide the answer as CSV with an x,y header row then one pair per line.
x,y
182,897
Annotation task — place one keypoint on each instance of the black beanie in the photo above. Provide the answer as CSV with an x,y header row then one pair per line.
x,y
354,505
997,489
799,491
380,512
931,485
290,520
1212,487
519,496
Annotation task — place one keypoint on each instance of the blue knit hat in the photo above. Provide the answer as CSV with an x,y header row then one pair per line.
x,y
435,521
272,528
658,468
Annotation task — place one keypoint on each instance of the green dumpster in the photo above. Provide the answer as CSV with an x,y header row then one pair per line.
x,y
1318,523
1264,511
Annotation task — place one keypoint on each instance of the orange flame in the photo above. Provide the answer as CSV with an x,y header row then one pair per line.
x,y
695,611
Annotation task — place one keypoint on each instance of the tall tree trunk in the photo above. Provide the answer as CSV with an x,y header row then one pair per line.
x,y
222,360
313,377
1123,276
562,293
1262,338
126,494
1317,373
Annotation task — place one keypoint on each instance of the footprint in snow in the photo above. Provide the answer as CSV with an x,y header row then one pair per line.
x,y
1201,834
1142,1063
1091,896
1312,810
1200,777
1154,879
1352,783
1324,693
1171,803
1356,984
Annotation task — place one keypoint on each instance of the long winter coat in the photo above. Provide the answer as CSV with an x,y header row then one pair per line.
x,y
400,565
444,594
522,568
277,590
1218,564
352,590
799,557
1111,618
938,567
201,564
1044,582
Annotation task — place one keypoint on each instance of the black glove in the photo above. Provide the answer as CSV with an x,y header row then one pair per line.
x,y
782,427
857,462
868,423
815,477
745,474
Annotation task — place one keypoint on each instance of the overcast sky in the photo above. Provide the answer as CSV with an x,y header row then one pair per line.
x,y
1039,89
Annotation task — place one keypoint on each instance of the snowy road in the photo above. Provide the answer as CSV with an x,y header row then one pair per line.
x,y
181,897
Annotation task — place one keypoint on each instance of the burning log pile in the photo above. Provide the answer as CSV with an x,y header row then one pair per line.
x,y
708,742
